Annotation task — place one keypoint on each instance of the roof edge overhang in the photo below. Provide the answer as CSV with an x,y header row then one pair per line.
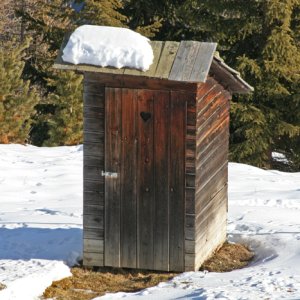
x,y
228,77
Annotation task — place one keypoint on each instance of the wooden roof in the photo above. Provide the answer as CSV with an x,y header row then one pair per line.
x,y
185,61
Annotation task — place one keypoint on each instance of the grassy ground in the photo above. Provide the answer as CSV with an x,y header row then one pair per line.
x,y
86,284
229,257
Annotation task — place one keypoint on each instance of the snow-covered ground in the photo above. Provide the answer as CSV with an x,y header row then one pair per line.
x,y
41,229
40,217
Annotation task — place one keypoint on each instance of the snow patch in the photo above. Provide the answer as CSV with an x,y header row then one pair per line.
x,y
279,157
108,46
37,276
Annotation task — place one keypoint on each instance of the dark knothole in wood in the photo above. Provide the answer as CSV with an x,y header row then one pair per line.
x,y
145,116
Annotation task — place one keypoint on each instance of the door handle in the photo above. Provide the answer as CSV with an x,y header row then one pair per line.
x,y
109,174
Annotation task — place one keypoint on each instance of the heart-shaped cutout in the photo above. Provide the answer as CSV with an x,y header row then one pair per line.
x,y
145,116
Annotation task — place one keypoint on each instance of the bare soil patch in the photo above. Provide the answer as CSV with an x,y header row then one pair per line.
x,y
2,286
229,257
86,284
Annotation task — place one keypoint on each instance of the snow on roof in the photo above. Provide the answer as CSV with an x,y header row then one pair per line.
x,y
108,46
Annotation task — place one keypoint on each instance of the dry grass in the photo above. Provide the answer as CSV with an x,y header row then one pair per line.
x,y
229,257
86,284
2,286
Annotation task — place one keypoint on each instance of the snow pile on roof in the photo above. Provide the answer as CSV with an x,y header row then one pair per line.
x,y
108,46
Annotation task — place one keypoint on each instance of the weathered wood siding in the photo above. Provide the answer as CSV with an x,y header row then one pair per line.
x,y
135,82
190,183
93,163
145,205
212,135
166,210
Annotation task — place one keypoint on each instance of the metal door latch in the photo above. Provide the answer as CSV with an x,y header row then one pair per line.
x,y
109,174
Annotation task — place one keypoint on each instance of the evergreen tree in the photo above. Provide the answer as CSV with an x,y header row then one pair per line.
x,y
118,14
7,18
66,122
274,71
261,40
17,98
10,23
48,23
142,17
103,12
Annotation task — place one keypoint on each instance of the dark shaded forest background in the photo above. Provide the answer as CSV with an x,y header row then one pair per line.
x,y
259,38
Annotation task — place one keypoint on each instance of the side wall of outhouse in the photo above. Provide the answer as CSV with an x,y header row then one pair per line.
x,y
211,169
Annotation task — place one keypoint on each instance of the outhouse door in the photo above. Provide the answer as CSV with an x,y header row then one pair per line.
x,y
144,179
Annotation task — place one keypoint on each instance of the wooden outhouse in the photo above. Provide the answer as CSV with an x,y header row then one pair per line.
x,y
155,158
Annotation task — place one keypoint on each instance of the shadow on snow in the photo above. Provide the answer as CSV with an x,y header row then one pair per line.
x,y
41,243
198,294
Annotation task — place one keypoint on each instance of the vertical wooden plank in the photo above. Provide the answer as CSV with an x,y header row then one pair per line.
x,y
145,180
93,159
157,47
177,180
166,59
128,177
112,185
161,150
188,64
202,62
190,182
184,61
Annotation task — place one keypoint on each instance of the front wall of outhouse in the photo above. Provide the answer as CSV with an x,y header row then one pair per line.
x,y
166,209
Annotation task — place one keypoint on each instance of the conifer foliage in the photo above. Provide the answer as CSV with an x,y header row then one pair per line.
x,y
271,114
65,124
144,17
261,40
119,14
17,99
48,22
103,12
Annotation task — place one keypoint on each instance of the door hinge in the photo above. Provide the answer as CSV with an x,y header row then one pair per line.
x,y
109,174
